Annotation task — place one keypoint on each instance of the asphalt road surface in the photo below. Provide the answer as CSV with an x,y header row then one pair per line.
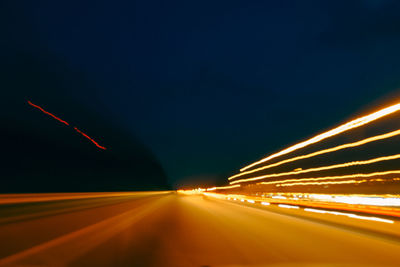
x,y
167,229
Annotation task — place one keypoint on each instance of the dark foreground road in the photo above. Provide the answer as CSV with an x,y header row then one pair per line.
x,y
166,229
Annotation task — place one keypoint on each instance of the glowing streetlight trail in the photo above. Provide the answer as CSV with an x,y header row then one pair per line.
x,y
369,204
350,215
325,151
85,135
335,131
370,200
348,176
338,182
48,113
222,187
323,183
323,168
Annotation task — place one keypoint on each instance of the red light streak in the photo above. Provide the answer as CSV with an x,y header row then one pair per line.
x,y
48,113
85,135
66,123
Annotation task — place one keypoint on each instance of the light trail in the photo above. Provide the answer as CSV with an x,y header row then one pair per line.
x,y
85,135
222,187
48,113
324,151
339,182
325,183
335,131
288,206
372,204
378,200
18,198
382,204
195,191
278,197
348,176
215,195
323,168
350,215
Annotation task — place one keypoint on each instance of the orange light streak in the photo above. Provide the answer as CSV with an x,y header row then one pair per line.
x,y
339,182
350,215
323,168
335,131
370,204
222,187
48,113
328,150
354,199
85,135
325,183
349,176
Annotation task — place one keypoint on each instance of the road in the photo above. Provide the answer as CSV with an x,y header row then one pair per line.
x,y
167,229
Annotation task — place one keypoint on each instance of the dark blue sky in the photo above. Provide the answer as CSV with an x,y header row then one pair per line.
x,y
209,86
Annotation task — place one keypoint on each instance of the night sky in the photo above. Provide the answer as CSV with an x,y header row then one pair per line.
x,y
183,92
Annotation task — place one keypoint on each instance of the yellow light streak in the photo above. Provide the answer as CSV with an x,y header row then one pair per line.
x,y
349,176
338,182
323,168
325,183
335,131
215,195
288,206
371,200
278,197
222,187
191,191
324,151
350,215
